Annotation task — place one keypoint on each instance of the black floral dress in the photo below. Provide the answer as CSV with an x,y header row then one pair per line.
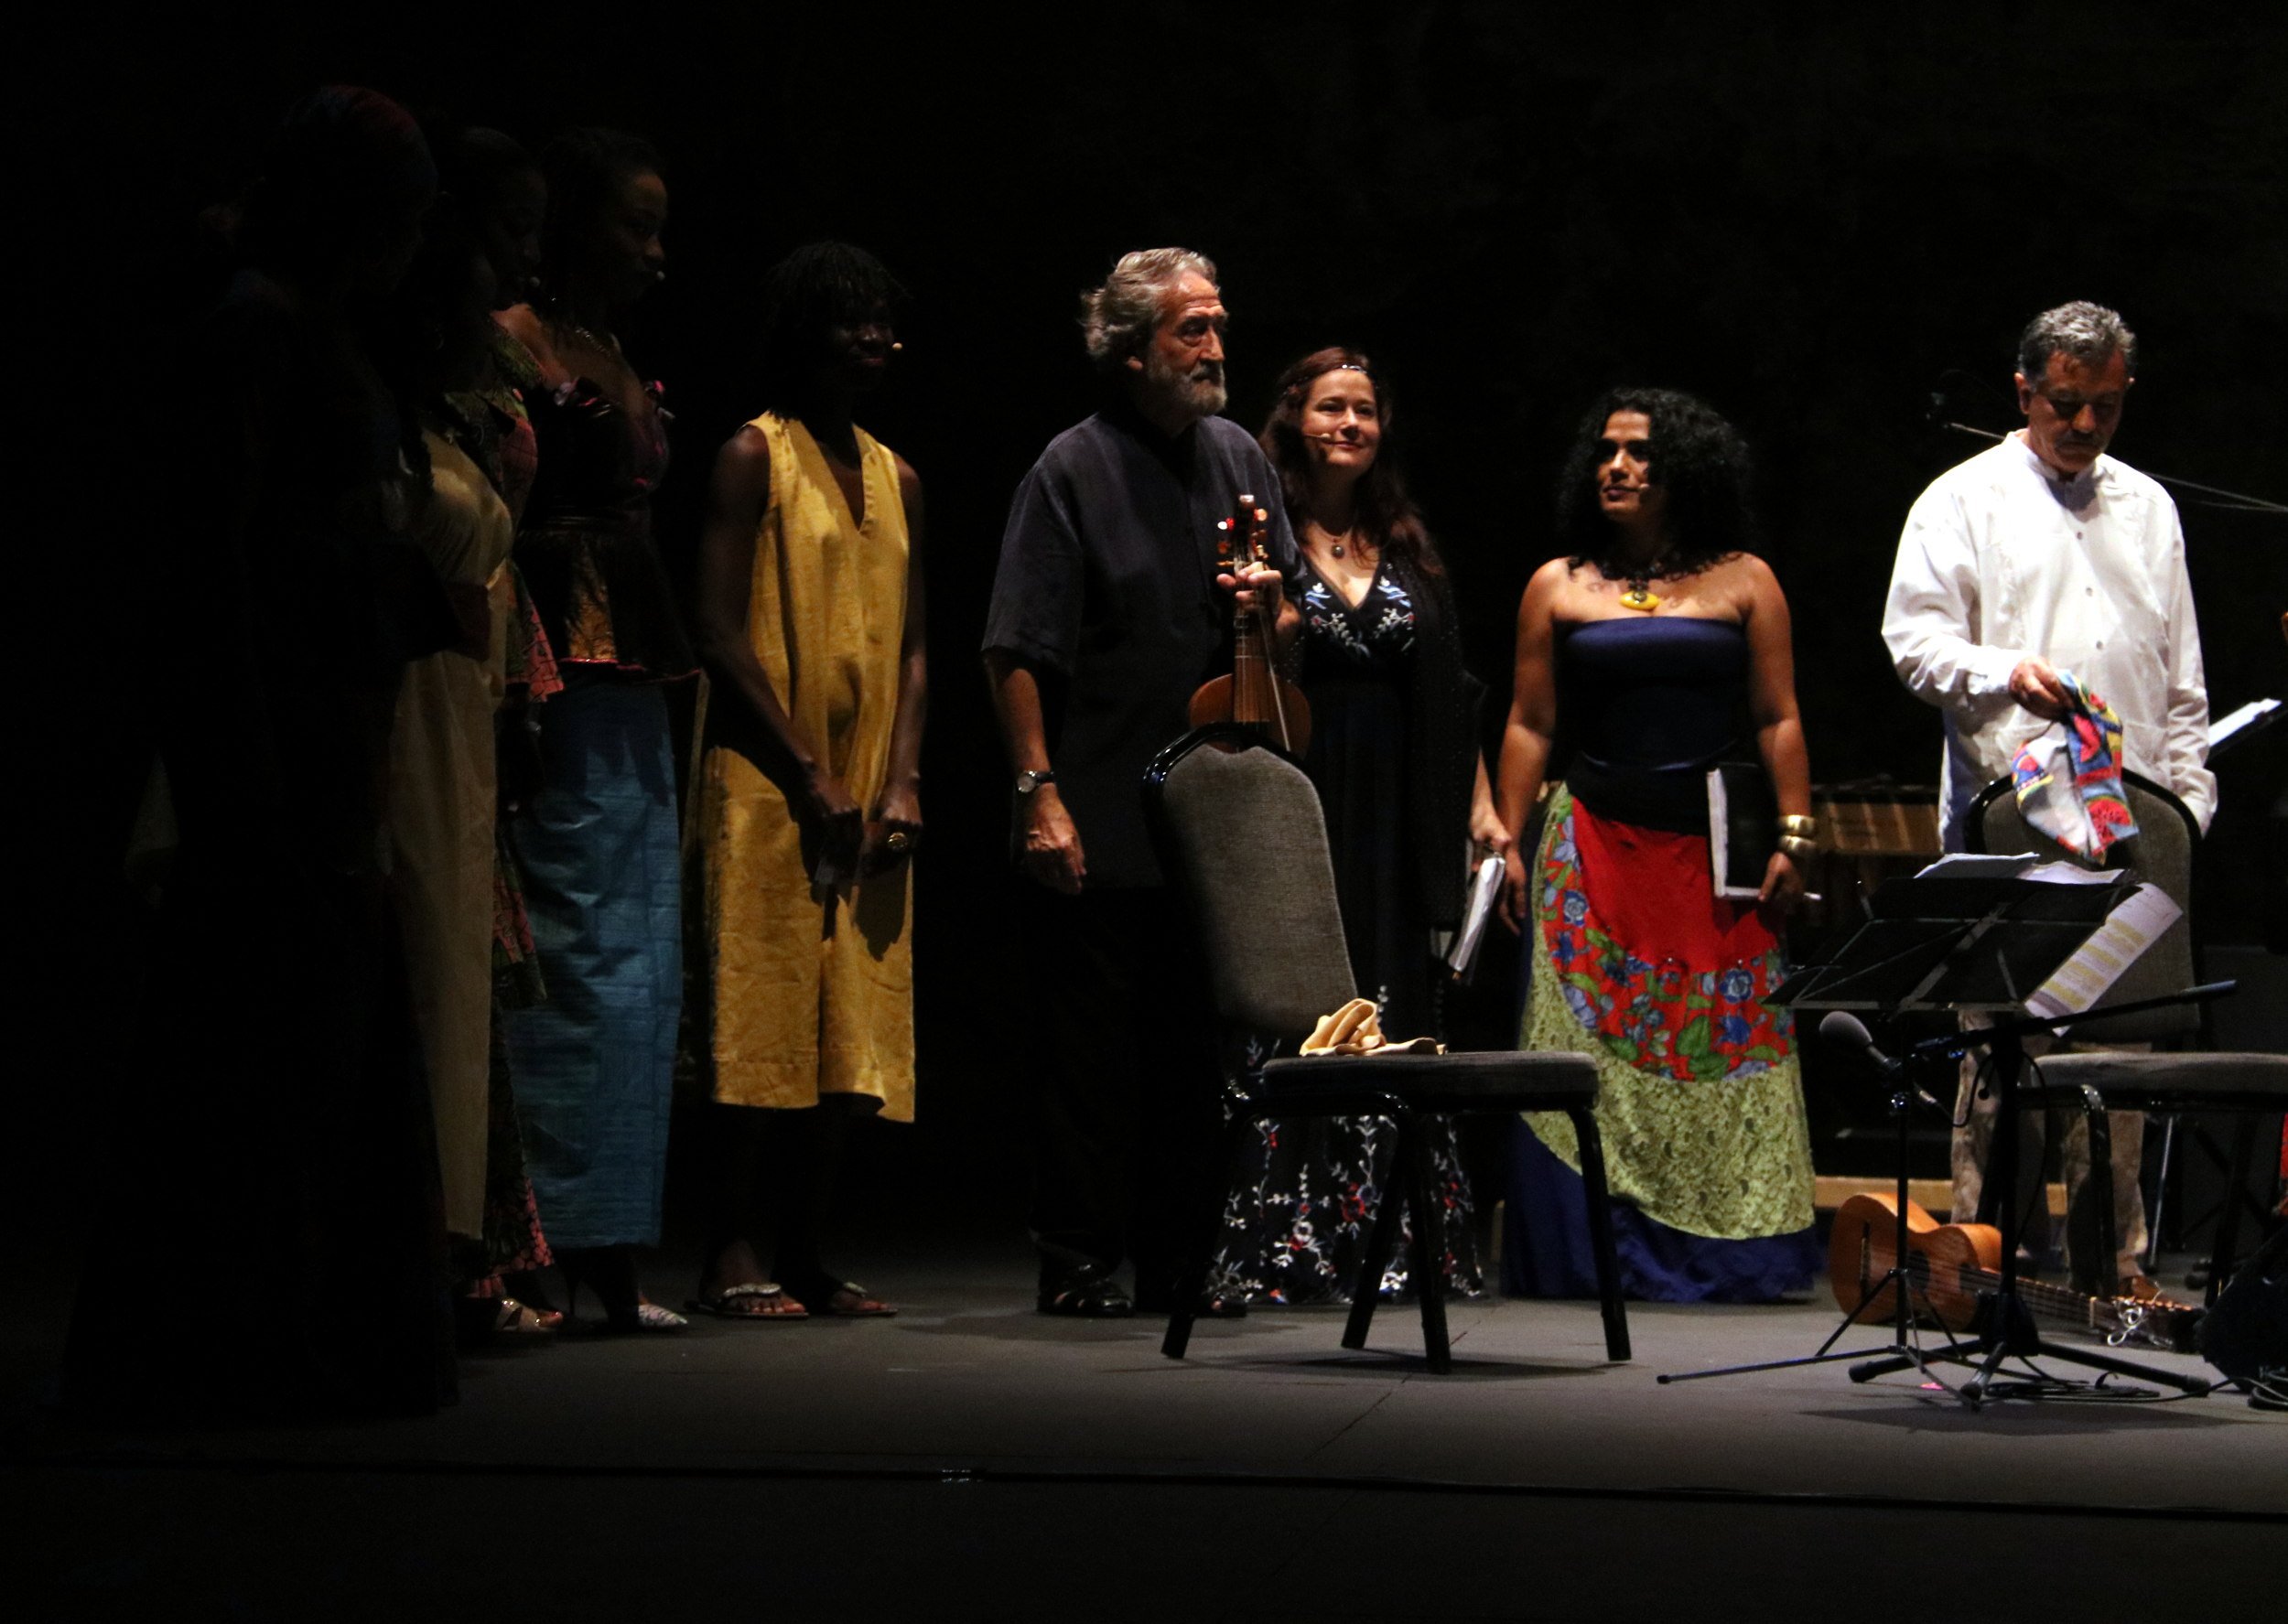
x,y
1295,1230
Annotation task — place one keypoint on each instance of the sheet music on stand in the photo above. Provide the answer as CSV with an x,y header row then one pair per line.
x,y
1991,934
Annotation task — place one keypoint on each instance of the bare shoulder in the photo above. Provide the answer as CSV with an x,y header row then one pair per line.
x,y
1752,577
1550,579
909,482
522,323
743,464
1548,587
1545,590
1748,583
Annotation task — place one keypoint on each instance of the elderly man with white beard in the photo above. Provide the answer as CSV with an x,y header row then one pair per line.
x,y
1109,608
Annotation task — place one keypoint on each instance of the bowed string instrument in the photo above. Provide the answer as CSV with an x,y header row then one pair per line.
x,y
1255,695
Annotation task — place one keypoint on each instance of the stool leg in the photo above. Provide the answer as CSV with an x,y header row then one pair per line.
x,y
1428,1251
2228,1215
1593,1190
1200,1255
2104,1277
2159,1206
1366,1290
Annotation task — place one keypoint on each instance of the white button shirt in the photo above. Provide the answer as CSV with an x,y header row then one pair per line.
x,y
2002,561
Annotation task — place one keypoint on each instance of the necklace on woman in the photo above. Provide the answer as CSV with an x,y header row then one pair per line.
x,y
1336,543
560,316
1639,595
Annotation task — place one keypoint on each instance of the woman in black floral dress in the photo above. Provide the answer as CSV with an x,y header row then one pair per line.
x,y
1395,757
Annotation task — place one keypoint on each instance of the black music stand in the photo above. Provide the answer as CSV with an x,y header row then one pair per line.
x,y
1974,943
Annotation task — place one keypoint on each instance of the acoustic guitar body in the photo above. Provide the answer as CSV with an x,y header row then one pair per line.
x,y
1950,1262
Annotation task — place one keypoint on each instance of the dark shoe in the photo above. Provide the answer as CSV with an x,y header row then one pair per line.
x,y
1083,1294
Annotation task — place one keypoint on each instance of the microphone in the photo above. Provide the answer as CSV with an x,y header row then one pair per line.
x,y
1943,411
1841,1026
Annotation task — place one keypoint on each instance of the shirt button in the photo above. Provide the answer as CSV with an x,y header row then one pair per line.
x,y
2088,592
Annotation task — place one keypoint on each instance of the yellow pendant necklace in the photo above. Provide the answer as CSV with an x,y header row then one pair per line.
x,y
1639,596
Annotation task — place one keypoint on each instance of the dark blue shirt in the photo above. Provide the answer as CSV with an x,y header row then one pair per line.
x,y
1106,588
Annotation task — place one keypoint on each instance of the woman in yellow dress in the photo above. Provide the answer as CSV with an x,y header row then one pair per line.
x,y
810,628
433,339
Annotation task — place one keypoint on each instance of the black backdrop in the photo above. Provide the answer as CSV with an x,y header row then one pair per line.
x,y
1806,215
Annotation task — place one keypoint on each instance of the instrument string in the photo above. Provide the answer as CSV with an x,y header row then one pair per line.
x,y
2040,1296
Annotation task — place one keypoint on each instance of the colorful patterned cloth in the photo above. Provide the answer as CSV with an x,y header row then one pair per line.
x,y
1635,963
2069,777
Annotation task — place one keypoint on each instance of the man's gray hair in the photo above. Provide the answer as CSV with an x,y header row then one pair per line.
x,y
2081,331
1119,318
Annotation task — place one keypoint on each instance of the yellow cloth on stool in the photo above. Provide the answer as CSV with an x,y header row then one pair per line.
x,y
813,997
1356,1029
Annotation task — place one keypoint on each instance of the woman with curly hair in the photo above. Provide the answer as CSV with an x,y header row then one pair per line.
x,y
1394,755
1654,650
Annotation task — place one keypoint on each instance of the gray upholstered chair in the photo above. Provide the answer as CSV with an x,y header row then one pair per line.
x,y
2250,1085
1241,835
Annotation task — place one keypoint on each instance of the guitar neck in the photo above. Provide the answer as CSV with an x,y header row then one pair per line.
x,y
2161,1322
2058,1303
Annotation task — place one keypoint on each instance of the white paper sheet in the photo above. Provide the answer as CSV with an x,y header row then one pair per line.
x,y
2136,922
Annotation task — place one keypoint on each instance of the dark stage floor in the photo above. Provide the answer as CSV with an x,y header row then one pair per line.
x,y
976,1458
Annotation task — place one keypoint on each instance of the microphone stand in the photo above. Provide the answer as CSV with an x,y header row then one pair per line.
x,y
1902,1279
2009,1330
2236,501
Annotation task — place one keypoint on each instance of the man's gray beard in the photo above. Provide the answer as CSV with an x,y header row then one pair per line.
x,y
1183,392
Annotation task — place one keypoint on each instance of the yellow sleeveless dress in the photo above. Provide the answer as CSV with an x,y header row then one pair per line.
x,y
808,997
441,801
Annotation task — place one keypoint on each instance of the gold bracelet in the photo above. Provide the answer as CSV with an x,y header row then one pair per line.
x,y
1796,847
1797,823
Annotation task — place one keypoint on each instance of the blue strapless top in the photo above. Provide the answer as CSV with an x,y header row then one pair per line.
x,y
1648,704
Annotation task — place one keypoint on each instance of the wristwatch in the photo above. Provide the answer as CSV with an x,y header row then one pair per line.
x,y
1028,780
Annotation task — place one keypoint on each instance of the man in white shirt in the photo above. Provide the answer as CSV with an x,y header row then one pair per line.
x,y
2041,555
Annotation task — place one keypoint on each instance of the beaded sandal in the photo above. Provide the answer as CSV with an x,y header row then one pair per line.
x,y
725,1304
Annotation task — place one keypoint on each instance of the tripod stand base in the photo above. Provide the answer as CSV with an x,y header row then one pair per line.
x,y
1895,1356
1988,1354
